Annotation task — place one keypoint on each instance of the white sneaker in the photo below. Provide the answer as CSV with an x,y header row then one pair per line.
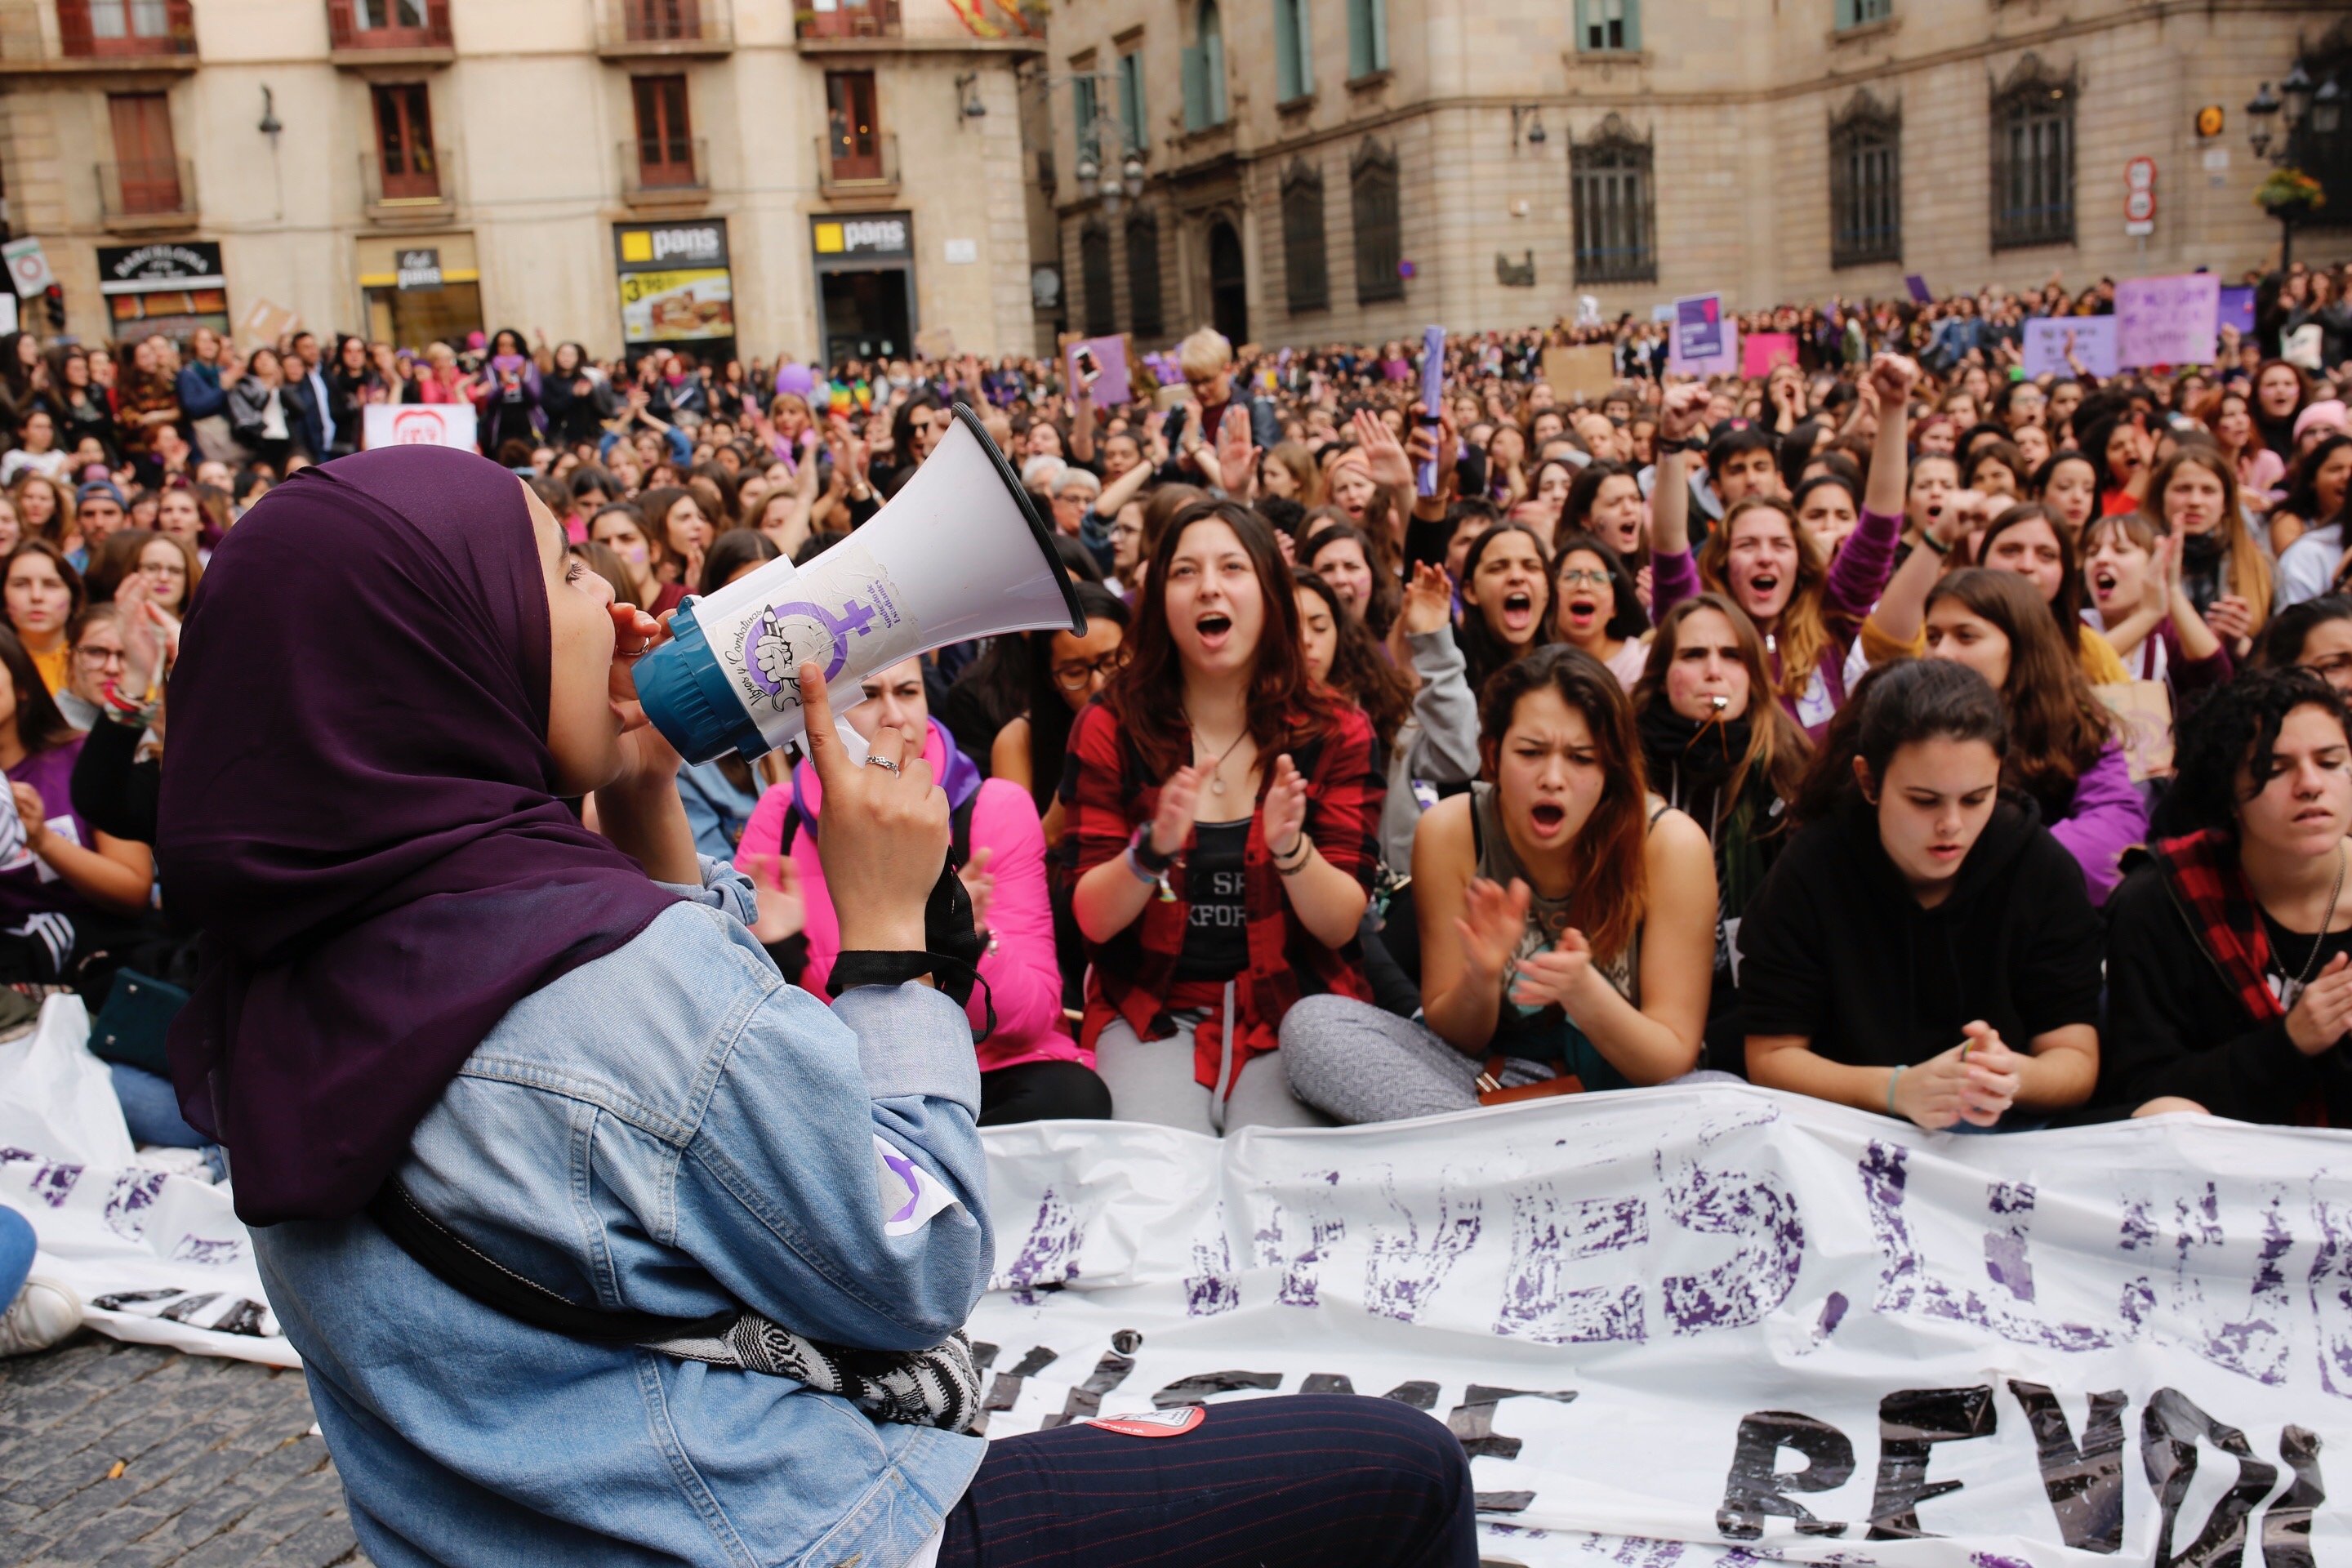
x,y
44,1312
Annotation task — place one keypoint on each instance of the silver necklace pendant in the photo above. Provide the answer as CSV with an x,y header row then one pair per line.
x,y
1216,784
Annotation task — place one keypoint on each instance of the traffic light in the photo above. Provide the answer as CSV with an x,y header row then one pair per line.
x,y
53,296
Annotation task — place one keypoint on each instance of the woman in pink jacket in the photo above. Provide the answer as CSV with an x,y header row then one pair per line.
x,y
1030,1069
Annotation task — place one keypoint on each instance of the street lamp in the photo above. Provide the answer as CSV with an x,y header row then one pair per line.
x,y
1100,150
2273,118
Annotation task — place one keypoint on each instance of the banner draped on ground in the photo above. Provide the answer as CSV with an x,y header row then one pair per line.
x,y
1690,1326
158,1259
1675,1327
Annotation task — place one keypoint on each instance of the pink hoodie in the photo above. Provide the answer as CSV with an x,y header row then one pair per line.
x,y
1021,974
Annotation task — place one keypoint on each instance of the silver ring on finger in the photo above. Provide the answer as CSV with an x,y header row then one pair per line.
x,y
883,763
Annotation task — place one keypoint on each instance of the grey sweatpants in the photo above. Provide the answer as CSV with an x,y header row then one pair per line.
x,y
1359,1063
1152,1080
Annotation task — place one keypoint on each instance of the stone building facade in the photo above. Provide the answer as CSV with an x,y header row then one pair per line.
x,y
738,177
1322,170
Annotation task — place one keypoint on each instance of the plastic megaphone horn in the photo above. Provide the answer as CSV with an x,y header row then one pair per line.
x,y
959,552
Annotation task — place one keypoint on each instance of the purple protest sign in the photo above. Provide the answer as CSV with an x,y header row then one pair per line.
x,y
1705,341
1112,387
2167,320
2094,339
2238,310
1918,287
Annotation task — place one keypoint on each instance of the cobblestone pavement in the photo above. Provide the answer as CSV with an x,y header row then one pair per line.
x,y
116,1456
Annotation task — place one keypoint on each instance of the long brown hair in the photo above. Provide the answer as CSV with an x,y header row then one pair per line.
x,y
1607,865
1147,695
1359,670
2066,609
2249,569
1778,747
1802,636
2057,726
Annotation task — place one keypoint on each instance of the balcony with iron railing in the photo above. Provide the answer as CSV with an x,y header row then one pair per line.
x,y
111,35
390,32
665,172
143,195
844,174
640,29
844,20
414,186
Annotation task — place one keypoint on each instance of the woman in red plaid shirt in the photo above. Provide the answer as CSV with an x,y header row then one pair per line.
x,y
1224,818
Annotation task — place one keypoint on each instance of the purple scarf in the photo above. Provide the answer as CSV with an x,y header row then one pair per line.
x,y
358,814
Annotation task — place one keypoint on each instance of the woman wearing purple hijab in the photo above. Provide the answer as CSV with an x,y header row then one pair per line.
x,y
601,1243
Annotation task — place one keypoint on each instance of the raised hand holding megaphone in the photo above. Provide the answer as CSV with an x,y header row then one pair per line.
x,y
959,552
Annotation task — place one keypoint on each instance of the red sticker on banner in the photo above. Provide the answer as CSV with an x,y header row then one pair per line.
x,y
1158,1424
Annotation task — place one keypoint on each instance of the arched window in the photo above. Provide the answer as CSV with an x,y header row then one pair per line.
x,y
1204,71
1865,183
1306,268
2034,157
1610,194
1143,275
1094,277
1380,233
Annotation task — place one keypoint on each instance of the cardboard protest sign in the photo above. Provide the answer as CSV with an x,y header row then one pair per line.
x,y
1584,370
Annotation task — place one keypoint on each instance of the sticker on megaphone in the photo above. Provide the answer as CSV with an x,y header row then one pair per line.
x,y
855,610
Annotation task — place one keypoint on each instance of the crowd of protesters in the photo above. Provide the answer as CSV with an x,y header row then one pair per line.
x,y
1899,729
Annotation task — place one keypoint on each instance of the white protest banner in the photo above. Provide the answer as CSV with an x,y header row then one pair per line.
x,y
157,1258
418,425
2092,338
1710,1324
2169,320
28,266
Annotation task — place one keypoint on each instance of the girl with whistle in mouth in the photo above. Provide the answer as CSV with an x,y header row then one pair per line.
x,y
1567,922
1807,614
1718,748
1224,808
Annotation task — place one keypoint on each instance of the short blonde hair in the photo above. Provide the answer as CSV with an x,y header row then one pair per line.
x,y
1203,354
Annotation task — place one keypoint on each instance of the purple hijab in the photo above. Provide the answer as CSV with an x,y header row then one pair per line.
x,y
358,815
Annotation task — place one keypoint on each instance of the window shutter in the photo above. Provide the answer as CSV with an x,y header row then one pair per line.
x,y
1632,24
1285,50
1305,44
1846,14
1378,12
1360,38
1196,81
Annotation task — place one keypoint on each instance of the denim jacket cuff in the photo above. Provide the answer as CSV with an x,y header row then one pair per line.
x,y
723,888
912,1040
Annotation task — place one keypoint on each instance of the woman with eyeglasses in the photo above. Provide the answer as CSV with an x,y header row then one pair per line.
x,y
1064,672
1594,606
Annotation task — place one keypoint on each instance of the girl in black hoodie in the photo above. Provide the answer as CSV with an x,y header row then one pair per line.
x,y
1924,949
2229,957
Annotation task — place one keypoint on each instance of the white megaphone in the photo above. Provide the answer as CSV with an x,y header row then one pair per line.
x,y
959,552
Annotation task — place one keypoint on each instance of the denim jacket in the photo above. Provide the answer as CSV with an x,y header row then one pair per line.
x,y
667,1129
